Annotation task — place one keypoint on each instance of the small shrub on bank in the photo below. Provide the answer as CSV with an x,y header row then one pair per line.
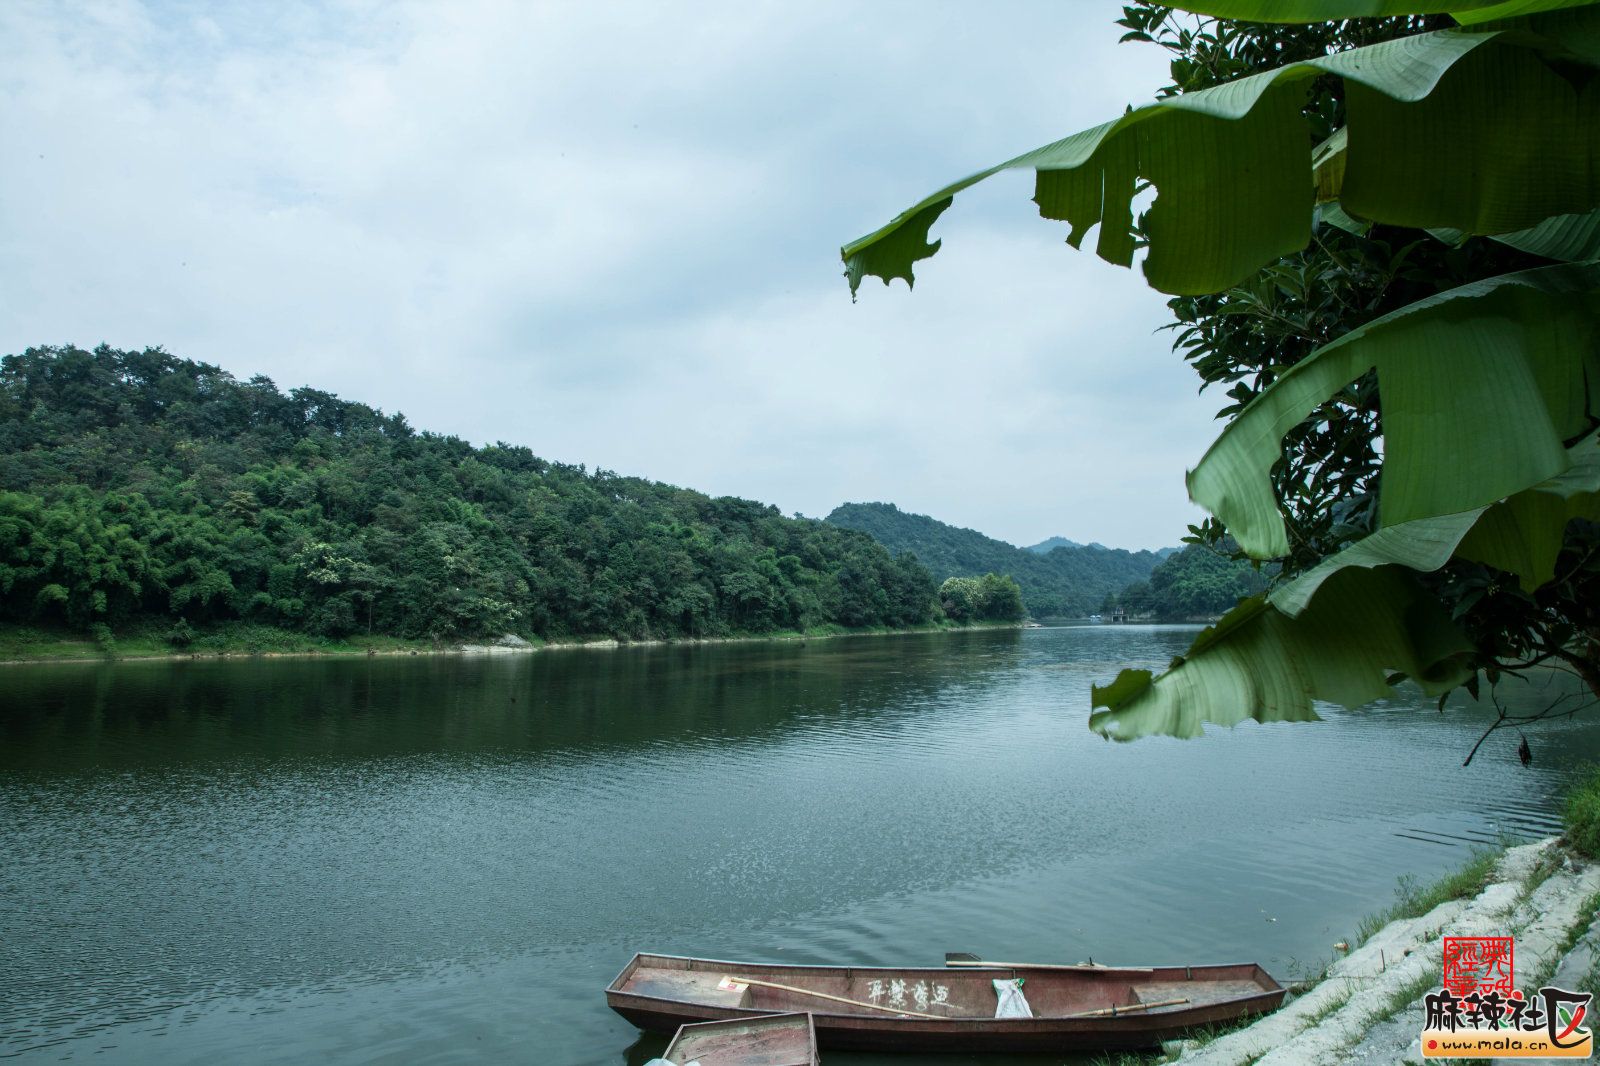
x,y
1582,815
181,635
103,638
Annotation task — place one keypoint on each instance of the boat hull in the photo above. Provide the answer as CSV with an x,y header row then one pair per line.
x,y
767,1040
847,1028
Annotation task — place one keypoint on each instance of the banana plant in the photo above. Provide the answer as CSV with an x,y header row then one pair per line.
x,y
1342,630
1474,128
1490,391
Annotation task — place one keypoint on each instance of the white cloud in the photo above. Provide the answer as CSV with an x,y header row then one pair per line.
x,y
610,232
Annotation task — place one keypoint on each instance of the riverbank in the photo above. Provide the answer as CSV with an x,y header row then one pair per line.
x,y
24,646
1366,1006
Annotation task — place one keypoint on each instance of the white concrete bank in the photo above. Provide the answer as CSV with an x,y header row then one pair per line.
x,y
1368,1008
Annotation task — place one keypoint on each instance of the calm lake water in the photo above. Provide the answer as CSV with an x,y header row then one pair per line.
x,y
443,860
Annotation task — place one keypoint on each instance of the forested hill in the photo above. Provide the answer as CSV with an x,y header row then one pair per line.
x,y
1197,583
1065,581
1058,542
146,491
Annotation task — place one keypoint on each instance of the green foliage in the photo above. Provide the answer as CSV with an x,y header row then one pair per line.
x,y
1197,582
1066,581
1411,403
1582,816
1517,352
991,598
1264,663
103,640
1520,576
153,493
1459,127
181,635
1328,633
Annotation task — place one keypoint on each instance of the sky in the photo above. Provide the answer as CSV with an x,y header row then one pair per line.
x,y
610,232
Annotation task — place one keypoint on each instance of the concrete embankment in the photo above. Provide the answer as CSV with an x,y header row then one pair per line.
x,y
1368,1008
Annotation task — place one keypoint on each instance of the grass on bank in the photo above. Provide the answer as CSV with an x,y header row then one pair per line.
x,y
1413,900
1591,980
1581,816
1581,824
38,644
27,643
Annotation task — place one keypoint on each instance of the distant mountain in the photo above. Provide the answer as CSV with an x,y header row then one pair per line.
x,y
1066,580
1045,547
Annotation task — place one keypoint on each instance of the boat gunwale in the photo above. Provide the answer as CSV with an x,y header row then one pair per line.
x,y
633,964
1178,1017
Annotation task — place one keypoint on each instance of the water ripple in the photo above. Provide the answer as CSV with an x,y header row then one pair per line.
x,y
394,860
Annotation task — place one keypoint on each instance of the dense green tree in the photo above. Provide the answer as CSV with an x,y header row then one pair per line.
x,y
990,598
1197,582
144,489
1001,598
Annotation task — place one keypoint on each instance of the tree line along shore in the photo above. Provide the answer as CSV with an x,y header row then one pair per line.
x,y
153,504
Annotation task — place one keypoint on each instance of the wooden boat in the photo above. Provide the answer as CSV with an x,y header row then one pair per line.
x,y
767,1040
890,1009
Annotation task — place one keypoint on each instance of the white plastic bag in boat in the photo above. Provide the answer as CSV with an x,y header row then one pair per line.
x,y
664,1062
1013,1004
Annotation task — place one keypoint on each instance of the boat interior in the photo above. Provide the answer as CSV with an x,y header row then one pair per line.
x,y
771,1040
940,993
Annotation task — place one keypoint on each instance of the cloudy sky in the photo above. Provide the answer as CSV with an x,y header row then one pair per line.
x,y
610,232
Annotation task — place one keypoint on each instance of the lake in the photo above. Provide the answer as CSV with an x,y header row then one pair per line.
x,y
446,859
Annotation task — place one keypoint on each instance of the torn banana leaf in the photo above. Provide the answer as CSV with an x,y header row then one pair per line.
x,y
1523,535
1337,631
1469,129
1481,386
1257,662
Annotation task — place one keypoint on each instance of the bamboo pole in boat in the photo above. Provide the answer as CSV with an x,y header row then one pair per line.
x,y
836,999
1114,1011
962,960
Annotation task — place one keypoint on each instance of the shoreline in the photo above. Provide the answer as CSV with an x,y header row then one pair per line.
x,y
468,649
1366,1006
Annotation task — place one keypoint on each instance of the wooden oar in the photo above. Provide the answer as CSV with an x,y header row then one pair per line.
x,y
836,999
1130,1007
963,959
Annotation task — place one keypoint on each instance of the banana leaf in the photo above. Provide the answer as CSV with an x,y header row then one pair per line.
x,y
1257,662
1337,631
1486,131
1568,238
1481,387
1523,535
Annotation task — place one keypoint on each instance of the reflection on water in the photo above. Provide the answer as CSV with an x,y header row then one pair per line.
x,y
442,859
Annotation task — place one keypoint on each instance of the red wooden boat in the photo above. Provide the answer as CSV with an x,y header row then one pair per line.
x,y
768,1040
892,1009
